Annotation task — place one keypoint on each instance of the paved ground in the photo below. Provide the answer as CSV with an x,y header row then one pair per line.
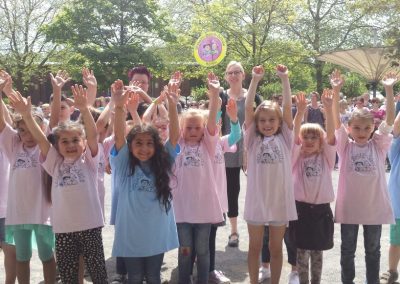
x,y
233,260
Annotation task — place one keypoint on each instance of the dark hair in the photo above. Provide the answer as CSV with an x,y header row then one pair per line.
x,y
139,70
160,163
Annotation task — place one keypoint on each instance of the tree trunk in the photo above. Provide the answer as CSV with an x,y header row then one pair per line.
x,y
319,67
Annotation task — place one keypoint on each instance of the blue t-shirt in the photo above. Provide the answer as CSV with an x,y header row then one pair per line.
x,y
142,226
394,177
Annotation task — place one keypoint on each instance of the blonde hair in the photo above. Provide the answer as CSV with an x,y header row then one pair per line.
x,y
313,129
235,63
361,114
265,106
193,113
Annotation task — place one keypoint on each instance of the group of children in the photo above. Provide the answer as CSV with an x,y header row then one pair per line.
x,y
56,180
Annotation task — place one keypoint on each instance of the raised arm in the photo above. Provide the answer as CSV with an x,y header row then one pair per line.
x,y
81,103
173,99
298,119
337,81
283,74
90,82
104,118
4,115
213,92
327,99
236,132
150,112
120,98
134,85
57,82
257,75
388,82
24,107
132,106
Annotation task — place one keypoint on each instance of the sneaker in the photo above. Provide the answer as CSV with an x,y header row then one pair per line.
x,y
263,274
217,277
294,277
233,240
388,277
119,278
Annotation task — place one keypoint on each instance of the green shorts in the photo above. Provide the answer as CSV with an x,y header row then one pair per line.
x,y
395,233
25,237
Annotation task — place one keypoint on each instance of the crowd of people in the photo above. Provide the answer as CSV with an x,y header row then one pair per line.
x,y
54,158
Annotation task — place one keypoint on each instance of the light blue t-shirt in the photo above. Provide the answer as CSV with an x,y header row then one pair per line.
x,y
394,177
142,226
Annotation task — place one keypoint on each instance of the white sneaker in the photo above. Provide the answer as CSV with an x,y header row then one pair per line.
x,y
294,277
218,277
263,274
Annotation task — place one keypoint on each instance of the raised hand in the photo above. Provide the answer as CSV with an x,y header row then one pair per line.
x,y
3,79
7,87
59,80
213,83
173,93
117,89
337,80
80,97
88,78
282,71
390,79
20,104
258,73
177,77
132,101
301,102
231,110
327,98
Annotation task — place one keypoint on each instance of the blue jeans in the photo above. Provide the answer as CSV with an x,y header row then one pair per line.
x,y
372,246
138,267
193,236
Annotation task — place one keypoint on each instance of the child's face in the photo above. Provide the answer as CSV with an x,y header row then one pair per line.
x,y
310,143
25,135
71,145
142,147
193,130
268,122
65,112
361,130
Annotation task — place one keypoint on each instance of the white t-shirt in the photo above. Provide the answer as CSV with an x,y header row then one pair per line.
x,y
76,204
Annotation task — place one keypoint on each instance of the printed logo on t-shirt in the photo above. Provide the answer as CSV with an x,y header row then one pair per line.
x,y
142,182
269,153
362,163
69,175
24,161
312,167
192,157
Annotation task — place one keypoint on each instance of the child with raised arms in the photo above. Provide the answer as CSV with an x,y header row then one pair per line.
x,y
196,203
362,196
76,213
269,200
28,205
313,160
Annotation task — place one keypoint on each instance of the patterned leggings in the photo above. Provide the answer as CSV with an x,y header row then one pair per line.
x,y
68,248
303,258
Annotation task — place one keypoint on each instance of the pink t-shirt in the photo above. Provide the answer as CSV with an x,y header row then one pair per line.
x,y
27,202
312,175
76,204
362,196
270,195
194,188
220,172
5,172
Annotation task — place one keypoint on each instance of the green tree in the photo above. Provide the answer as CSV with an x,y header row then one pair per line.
x,y
24,50
327,25
113,35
